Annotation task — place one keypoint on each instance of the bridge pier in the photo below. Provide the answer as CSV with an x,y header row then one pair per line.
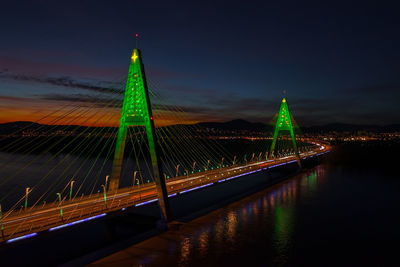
x,y
284,123
136,112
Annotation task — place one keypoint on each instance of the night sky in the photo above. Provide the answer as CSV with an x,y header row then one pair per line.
x,y
338,61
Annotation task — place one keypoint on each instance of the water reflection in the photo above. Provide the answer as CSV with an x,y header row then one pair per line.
x,y
203,243
283,233
263,223
185,251
231,226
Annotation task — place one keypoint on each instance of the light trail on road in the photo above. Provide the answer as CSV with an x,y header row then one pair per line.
x,y
20,225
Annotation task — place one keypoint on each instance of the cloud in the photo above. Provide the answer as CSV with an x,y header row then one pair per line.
x,y
14,99
100,102
222,108
66,81
47,64
189,89
172,108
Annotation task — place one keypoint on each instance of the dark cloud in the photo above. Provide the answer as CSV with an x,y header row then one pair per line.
x,y
188,89
66,82
187,109
221,108
82,98
14,98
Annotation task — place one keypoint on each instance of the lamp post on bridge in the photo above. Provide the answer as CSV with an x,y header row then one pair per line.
x,y
194,165
177,169
61,210
222,162
70,190
105,194
135,180
108,176
140,182
134,177
208,164
27,191
234,160
140,191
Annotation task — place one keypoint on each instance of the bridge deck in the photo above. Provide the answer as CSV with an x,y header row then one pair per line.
x,y
22,224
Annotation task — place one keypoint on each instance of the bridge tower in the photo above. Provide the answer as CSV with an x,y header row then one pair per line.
x,y
136,111
284,123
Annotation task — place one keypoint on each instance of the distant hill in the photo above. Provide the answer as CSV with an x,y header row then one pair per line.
x,y
234,125
238,124
11,127
337,127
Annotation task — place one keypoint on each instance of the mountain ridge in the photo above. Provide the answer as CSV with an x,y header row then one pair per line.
x,y
232,125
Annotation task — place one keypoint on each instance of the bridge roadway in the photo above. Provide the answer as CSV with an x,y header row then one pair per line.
x,y
22,224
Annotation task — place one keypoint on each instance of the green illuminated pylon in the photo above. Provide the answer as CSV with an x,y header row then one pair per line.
x,y
284,123
136,111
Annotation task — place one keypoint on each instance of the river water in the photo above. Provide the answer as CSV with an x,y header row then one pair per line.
x,y
344,212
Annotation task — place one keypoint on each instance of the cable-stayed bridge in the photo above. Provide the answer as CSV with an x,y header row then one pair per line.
x,y
174,159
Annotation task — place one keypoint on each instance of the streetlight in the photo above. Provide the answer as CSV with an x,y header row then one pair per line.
x,y
61,210
187,173
105,194
234,160
208,164
222,162
134,177
106,180
140,191
27,191
177,169
194,165
70,190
